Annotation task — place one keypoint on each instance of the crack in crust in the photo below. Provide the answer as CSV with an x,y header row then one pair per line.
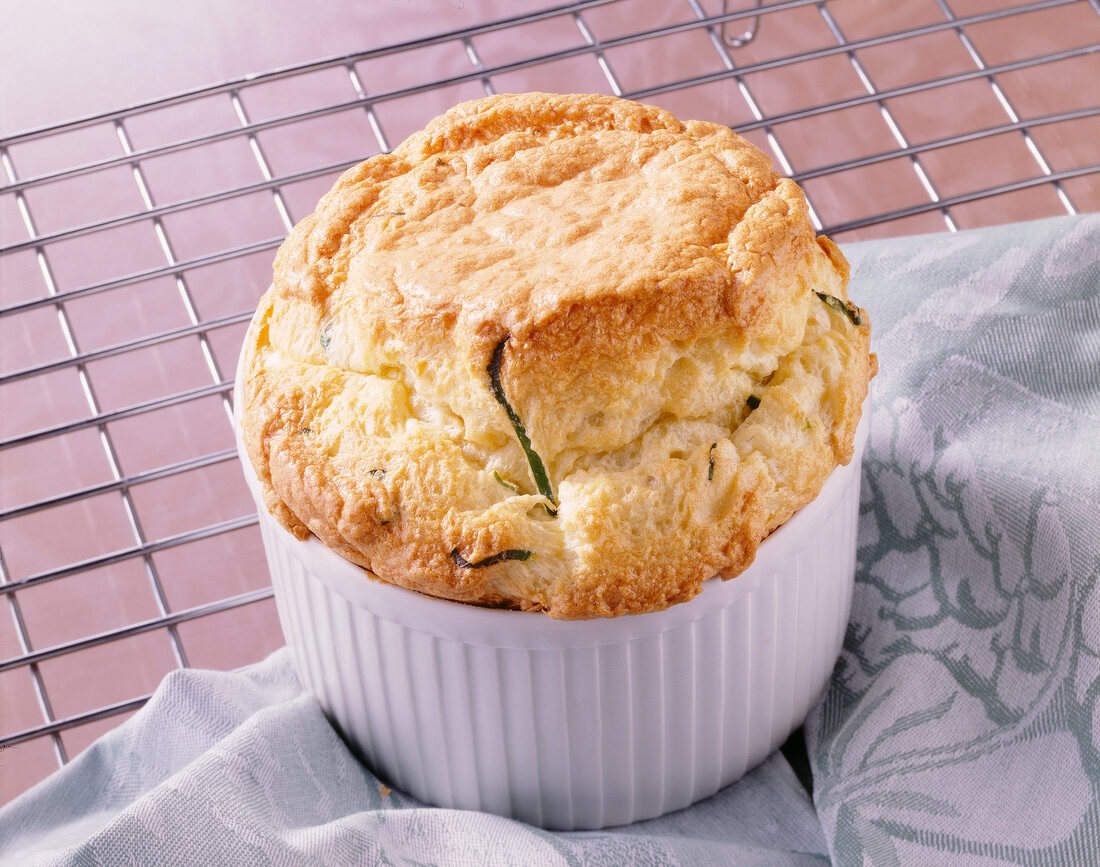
x,y
644,277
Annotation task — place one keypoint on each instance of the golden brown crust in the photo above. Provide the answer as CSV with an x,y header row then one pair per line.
x,y
622,283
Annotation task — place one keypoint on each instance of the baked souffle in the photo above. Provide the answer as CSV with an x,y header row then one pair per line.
x,y
562,353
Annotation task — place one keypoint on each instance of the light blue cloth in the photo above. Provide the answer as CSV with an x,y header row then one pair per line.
x,y
962,725
242,768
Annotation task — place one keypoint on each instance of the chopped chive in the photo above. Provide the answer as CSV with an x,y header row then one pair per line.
x,y
710,459
841,307
538,470
507,484
324,339
753,401
510,554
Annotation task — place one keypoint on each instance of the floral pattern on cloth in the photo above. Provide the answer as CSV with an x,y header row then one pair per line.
x,y
962,725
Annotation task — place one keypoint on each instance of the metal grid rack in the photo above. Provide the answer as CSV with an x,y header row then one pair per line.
x,y
106,429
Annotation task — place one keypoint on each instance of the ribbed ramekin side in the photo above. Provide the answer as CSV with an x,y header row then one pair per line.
x,y
709,695
835,552
499,756
780,643
615,730
582,707
289,580
813,597
429,716
794,612
582,736
336,652
620,773
363,720
762,664
520,749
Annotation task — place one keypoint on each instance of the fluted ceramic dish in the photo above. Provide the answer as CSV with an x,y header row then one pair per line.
x,y
572,724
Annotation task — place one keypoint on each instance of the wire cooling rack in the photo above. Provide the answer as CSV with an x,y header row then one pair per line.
x,y
136,243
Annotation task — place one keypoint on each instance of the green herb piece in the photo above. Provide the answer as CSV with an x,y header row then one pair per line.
x,y
753,401
391,518
325,339
808,425
538,469
841,307
710,459
507,484
510,554
385,214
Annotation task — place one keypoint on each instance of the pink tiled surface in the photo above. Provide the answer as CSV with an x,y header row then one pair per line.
x,y
88,603
128,667
228,564
136,280
23,765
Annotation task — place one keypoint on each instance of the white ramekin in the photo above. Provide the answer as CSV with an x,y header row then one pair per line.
x,y
572,724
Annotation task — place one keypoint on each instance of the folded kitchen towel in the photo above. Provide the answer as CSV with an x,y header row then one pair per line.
x,y
962,724
242,768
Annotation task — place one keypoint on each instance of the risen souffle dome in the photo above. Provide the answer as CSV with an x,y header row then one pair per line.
x,y
558,353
